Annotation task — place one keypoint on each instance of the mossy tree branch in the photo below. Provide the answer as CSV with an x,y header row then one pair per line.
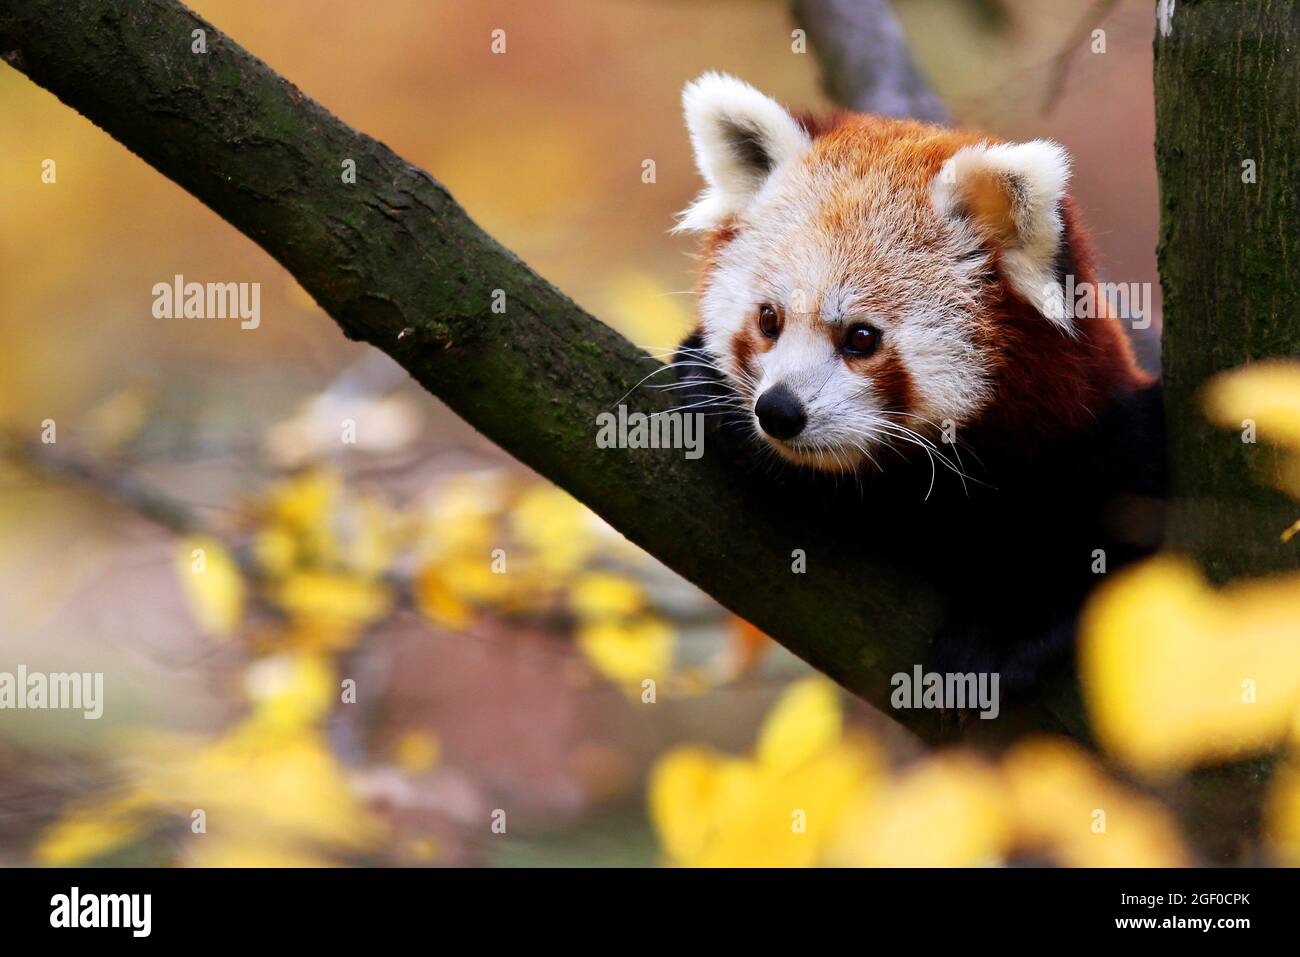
x,y
398,264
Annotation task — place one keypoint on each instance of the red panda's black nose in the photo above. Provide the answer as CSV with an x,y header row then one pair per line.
x,y
779,413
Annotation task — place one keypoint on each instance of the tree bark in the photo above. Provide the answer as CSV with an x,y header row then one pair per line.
x,y
1227,92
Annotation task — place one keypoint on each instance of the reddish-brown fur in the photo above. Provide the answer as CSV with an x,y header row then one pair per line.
x,y
1045,381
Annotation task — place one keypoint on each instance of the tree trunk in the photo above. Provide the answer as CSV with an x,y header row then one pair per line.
x,y
1227,93
1227,104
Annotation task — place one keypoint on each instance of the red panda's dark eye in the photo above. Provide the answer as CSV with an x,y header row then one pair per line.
x,y
769,323
862,340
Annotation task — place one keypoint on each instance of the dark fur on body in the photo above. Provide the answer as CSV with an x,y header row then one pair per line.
x,y
1011,549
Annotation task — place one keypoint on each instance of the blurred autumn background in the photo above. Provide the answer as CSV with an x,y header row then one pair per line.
x,y
407,649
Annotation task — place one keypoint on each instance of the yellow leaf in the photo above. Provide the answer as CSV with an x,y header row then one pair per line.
x,y
629,652
304,506
473,580
276,550
1267,392
681,791
1282,816
90,830
213,584
335,600
555,528
1067,808
260,785
711,810
947,811
1176,673
598,595
805,720
764,818
438,602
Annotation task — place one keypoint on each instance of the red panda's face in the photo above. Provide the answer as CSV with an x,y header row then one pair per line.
x,y
845,293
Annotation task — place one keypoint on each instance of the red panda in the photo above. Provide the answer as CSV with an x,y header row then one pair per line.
x,y
886,299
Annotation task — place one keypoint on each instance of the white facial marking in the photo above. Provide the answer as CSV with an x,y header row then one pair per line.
x,y
908,280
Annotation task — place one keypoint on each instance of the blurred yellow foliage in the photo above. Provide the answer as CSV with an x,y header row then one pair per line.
x,y
813,794
948,811
1177,673
600,594
777,809
1282,816
1265,395
323,556
628,651
486,545
1065,807
302,508
91,829
1266,392
267,792
556,529
805,721
621,640
331,600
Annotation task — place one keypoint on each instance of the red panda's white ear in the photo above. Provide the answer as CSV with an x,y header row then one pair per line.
x,y
1011,193
740,136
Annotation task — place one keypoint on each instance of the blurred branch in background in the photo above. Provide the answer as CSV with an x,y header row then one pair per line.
x,y
865,63
1099,10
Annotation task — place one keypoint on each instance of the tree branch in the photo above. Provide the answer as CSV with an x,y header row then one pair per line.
x,y
397,263
864,59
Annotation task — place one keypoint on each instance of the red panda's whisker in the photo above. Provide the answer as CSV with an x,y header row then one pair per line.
x,y
683,408
687,384
960,470
638,385
669,353
664,368
863,449
912,438
934,425
934,452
